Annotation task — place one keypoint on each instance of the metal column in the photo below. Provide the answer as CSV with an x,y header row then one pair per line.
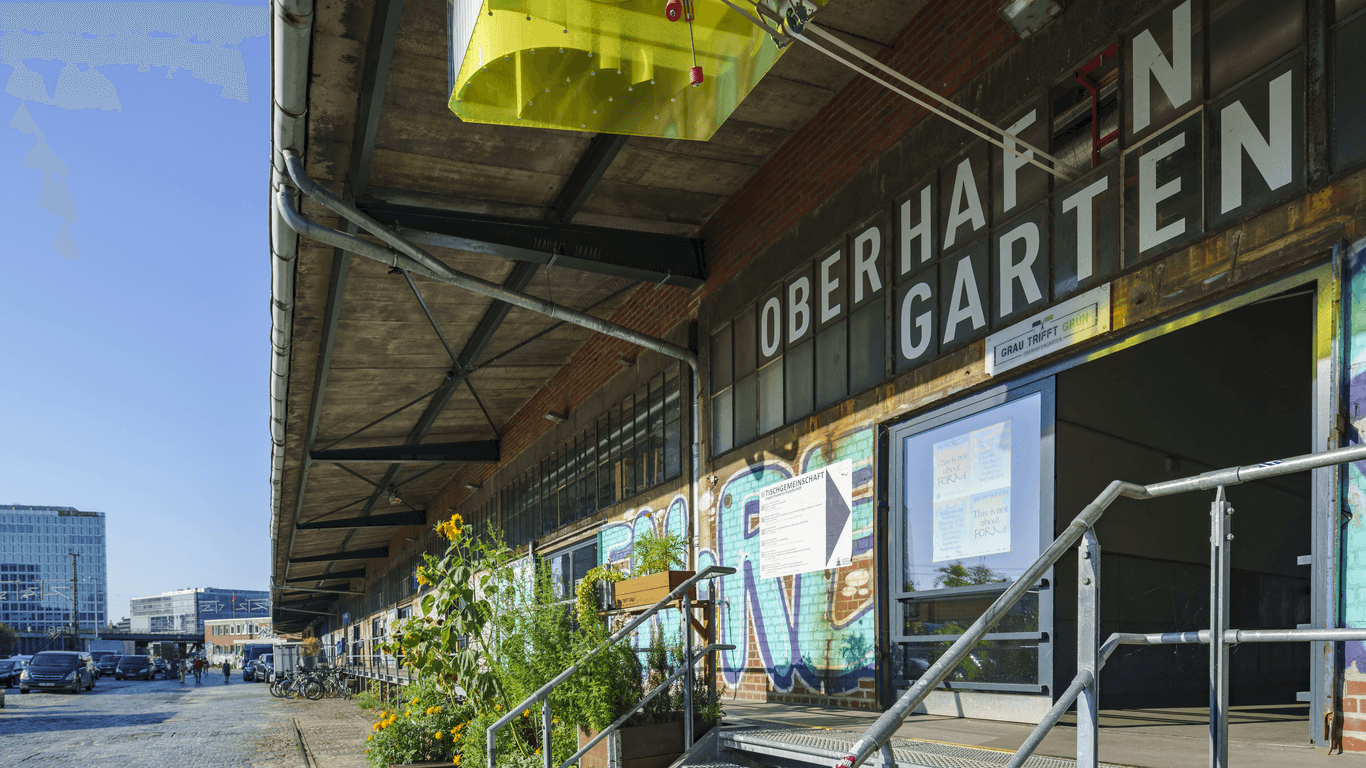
x,y
547,754
1088,649
688,673
1220,542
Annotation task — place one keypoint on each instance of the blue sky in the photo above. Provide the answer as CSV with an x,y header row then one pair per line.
x,y
133,379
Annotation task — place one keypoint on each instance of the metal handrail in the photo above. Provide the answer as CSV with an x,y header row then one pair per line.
x,y
880,732
658,689
543,693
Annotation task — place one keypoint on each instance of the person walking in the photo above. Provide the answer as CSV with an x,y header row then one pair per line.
x,y
227,667
198,669
182,664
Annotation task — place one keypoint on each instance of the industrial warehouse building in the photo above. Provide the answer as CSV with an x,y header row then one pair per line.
x,y
956,341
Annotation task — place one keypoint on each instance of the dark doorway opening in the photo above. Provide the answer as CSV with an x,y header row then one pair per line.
x,y
1234,389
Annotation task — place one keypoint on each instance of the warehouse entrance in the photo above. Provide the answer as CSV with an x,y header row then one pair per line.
x,y
1231,390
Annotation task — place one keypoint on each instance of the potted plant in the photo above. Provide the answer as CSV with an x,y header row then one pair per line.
x,y
653,573
654,736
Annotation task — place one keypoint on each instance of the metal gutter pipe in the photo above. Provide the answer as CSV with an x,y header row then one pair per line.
x,y
405,255
291,36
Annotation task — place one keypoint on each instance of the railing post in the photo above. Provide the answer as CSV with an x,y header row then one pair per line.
x,y
1220,542
546,753
688,673
711,638
1088,649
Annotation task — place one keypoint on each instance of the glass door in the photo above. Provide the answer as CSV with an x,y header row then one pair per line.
x,y
972,508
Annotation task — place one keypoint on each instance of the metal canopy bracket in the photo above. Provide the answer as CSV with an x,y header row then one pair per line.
x,y
644,256
433,453
355,554
370,521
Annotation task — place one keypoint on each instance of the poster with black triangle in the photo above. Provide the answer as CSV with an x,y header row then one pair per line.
x,y
806,523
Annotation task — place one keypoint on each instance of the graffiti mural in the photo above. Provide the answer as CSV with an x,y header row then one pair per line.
x,y
815,629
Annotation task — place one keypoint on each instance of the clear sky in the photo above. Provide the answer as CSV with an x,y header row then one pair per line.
x,y
135,282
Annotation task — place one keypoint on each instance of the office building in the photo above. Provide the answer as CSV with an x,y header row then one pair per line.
x,y
36,580
184,611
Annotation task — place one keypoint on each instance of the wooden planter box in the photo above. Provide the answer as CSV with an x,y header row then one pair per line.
x,y
642,746
645,591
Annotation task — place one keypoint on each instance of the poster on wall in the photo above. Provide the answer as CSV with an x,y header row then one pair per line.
x,y
807,523
971,476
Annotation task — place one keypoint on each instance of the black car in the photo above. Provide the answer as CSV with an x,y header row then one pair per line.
x,y
10,670
106,665
140,667
58,671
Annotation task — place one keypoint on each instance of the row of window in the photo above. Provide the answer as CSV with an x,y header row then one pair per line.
x,y
637,444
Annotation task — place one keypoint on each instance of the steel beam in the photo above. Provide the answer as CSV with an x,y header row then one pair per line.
x,y
422,453
355,573
371,521
321,591
602,150
302,610
645,256
355,554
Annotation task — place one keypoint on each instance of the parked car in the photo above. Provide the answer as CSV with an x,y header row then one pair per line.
x,y
10,670
264,668
107,664
57,671
130,667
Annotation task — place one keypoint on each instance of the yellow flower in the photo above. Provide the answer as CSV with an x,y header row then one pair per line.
x,y
526,713
438,735
499,707
456,761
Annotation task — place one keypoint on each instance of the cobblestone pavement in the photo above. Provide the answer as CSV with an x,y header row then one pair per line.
x,y
161,724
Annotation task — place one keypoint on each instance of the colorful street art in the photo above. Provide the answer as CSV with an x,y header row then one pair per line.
x,y
815,629
800,628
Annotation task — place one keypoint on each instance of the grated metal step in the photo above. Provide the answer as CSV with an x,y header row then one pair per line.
x,y
825,747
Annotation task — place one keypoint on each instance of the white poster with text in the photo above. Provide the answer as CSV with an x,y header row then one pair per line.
x,y
807,523
972,494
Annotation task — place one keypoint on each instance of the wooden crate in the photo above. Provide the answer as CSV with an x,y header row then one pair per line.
x,y
644,591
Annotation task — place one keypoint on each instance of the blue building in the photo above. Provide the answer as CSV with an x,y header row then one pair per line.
x,y
36,544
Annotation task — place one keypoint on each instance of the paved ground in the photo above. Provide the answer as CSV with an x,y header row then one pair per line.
x,y
164,724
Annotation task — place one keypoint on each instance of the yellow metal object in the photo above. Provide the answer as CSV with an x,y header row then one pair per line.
x,y
608,66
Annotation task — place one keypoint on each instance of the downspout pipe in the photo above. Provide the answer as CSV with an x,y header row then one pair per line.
x,y
291,37
405,255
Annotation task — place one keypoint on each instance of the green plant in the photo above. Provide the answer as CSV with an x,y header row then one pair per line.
x,y
586,594
370,697
427,725
656,554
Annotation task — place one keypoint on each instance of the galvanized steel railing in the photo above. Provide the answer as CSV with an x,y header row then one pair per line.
x,y
1091,654
543,693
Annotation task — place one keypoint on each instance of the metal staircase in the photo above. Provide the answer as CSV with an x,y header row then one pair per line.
x,y
1091,653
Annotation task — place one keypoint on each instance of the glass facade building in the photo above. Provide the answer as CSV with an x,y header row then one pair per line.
x,y
184,611
36,544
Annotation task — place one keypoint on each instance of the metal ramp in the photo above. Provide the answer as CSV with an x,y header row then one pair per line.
x,y
797,745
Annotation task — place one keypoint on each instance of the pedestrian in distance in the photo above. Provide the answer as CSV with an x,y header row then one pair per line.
x,y
198,669
181,665
226,669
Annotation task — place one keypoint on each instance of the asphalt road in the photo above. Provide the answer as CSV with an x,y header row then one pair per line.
x,y
156,723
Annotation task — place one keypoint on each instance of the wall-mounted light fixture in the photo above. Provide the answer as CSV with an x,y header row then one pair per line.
x,y
472,486
558,418
393,497
1029,16
624,361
